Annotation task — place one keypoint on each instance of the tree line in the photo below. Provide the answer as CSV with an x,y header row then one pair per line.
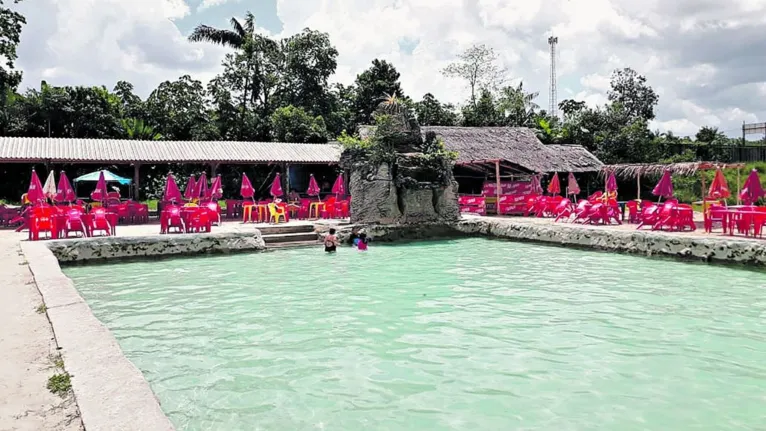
x,y
279,90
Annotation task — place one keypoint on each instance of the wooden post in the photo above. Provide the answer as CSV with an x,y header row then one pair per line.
x,y
638,181
136,179
739,184
213,169
497,183
287,174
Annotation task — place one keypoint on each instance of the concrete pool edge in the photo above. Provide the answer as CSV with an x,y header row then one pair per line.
x,y
681,246
110,391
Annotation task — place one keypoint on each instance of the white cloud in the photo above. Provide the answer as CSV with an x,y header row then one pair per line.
x,y
697,54
211,3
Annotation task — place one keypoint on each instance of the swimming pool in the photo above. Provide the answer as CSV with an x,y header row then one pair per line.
x,y
451,335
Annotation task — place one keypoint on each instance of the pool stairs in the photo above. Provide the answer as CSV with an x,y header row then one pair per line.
x,y
289,236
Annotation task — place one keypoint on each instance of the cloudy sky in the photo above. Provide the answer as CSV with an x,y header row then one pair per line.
x,y
706,58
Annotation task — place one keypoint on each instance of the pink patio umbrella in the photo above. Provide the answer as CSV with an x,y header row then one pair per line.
x,y
611,183
276,186
554,187
191,187
172,193
201,191
313,189
664,188
64,192
216,190
246,190
101,192
719,189
35,192
536,187
752,190
572,187
339,188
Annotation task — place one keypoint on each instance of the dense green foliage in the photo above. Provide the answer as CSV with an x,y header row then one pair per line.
x,y
270,89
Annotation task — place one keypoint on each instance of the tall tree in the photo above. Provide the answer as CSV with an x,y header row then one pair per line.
x,y
291,124
177,110
631,91
137,129
479,66
517,106
11,23
431,112
372,86
483,113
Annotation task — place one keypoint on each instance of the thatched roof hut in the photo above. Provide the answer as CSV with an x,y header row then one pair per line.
x,y
635,170
516,148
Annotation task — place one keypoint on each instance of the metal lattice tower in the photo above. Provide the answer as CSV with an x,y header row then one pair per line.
x,y
553,96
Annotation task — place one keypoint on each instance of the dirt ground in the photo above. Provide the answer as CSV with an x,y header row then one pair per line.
x,y
27,352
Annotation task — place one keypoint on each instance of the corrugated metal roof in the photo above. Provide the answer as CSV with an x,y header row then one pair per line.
x,y
58,150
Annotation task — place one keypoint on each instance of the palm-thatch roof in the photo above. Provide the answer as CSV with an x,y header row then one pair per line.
x,y
515,147
633,170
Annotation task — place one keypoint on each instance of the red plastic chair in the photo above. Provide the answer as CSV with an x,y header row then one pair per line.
x,y
649,215
759,220
632,207
581,211
171,217
329,208
564,210
41,220
200,220
100,222
74,223
214,212
139,212
667,217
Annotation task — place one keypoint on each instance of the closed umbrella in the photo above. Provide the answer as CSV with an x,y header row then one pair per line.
x,y
35,192
313,187
216,190
611,183
554,187
64,192
339,188
536,187
246,190
752,190
100,193
719,189
572,187
191,186
172,193
49,188
664,188
201,189
276,187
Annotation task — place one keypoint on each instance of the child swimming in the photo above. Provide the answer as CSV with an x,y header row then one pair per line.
x,y
361,242
330,242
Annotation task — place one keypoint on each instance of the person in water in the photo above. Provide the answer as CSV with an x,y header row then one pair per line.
x,y
361,242
330,242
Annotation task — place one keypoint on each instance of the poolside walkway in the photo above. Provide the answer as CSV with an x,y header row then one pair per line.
x,y
28,351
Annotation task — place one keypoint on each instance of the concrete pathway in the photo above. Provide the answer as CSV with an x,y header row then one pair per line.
x,y
27,352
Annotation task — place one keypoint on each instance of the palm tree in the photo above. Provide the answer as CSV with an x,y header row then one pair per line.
x,y
137,129
235,38
518,106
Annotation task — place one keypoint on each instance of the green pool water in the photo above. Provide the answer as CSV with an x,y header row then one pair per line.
x,y
470,334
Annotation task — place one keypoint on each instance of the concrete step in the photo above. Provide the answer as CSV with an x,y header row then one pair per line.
x,y
290,237
286,229
281,245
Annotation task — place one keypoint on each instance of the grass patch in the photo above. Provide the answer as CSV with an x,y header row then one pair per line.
x,y
41,309
58,361
60,384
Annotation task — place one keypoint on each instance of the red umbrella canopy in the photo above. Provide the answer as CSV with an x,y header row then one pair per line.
x,y
752,190
64,192
246,190
313,187
100,193
35,192
339,188
554,187
536,187
276,186
172,193
719,189
611,183
201,190
216,190
572,187
664,188
191,187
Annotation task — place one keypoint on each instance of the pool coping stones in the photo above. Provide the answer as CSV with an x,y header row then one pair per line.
x,y
111,392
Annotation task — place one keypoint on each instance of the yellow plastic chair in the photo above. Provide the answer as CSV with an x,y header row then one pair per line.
x,y
191,205
275,212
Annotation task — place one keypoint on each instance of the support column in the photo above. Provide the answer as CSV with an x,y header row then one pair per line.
x,y
497,184
136,181
213,169
287,174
